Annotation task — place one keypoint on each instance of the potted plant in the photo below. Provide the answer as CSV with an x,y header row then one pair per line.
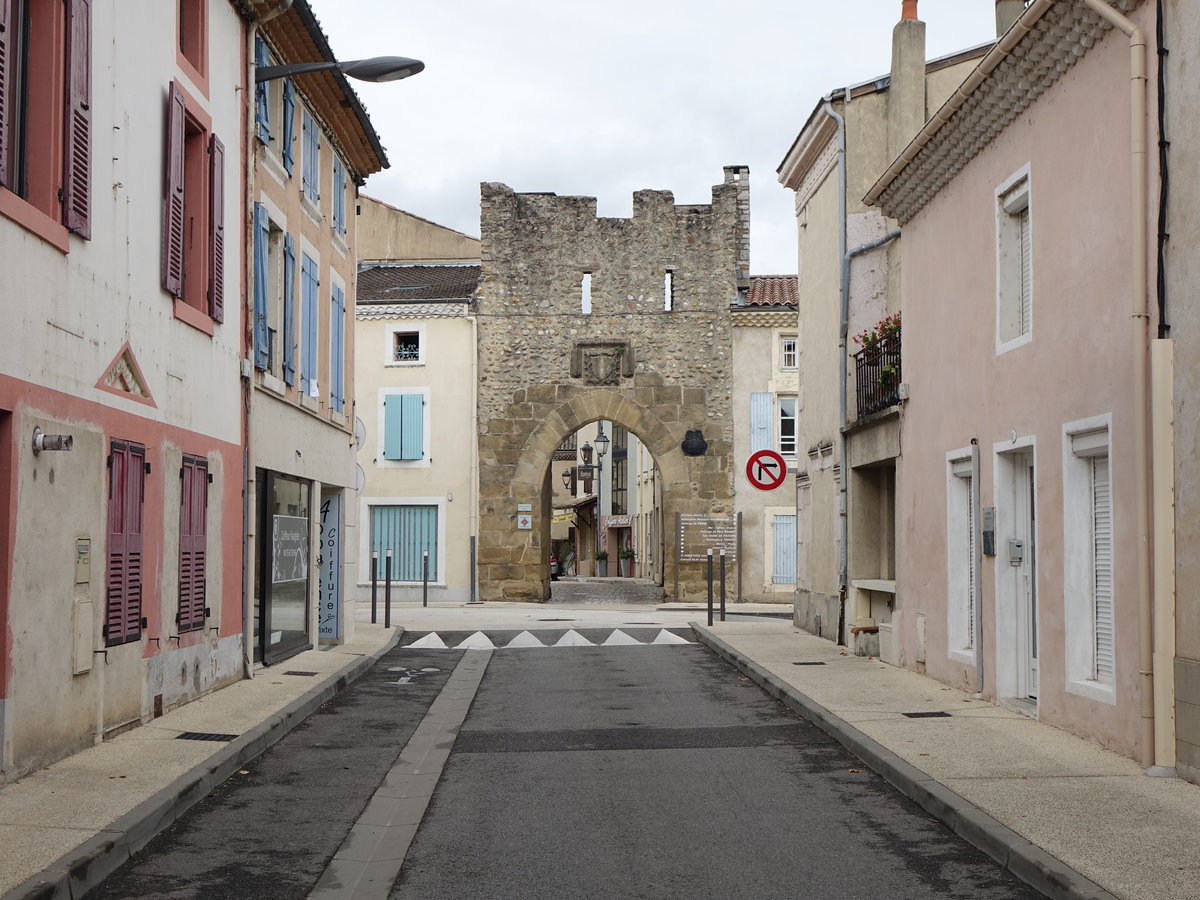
x,y
626,555
602,563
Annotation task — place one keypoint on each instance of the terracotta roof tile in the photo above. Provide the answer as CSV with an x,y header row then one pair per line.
x,y
397,284
772,290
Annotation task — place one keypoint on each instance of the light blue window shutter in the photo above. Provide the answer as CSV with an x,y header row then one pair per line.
x,y
289,310
407,531
262,109
339,196
413,438
289,125
337,337
312,169
393,419
785,550
762,421
308,325
261,335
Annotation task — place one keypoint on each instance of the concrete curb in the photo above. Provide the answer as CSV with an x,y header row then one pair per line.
x,y
1027,861
80,870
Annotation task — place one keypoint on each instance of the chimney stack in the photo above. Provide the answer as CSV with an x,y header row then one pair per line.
x,y
906,93
1007,12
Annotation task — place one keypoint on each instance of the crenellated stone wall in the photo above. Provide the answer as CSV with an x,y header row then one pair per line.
x,y
547,367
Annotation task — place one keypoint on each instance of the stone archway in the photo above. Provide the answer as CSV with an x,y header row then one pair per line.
x,y
583,318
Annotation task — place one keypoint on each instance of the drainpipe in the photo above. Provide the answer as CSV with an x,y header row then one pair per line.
x,y
1139,335
843,330
977,563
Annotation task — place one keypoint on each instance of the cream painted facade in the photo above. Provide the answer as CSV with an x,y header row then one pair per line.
x,y
440,484
96,348
1023,432
309,152
847,543
387,234
768,573
1182,271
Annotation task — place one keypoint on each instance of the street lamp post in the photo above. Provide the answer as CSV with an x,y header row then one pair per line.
x,y
602,441
376,69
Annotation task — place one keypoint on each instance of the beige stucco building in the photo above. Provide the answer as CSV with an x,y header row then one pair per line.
x,y
311,146
1029,487
765,396
1180,268
848,449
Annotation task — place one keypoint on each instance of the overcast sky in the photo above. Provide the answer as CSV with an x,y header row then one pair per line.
x,y
602,99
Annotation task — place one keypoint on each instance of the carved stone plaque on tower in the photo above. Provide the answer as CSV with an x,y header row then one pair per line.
x,y
602,363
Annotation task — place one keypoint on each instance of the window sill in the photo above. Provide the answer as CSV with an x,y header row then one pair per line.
x,y
882,585
274,385
1093,690
339,243
405,363
34,220
272,165
312,404
337,418
189,315
311,209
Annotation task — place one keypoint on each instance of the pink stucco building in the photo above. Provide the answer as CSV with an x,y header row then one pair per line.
x,y
1030,359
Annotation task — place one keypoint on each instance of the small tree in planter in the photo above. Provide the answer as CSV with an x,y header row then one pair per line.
x,y
626,555
602,563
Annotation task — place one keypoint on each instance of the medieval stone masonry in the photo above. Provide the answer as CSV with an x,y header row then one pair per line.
x,y
584,318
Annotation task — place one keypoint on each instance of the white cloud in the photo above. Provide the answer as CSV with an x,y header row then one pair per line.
x,y
605,99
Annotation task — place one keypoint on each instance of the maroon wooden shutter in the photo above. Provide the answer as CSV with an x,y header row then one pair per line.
x,y
172,254
5,73
193,536
216,228
77,181
123,587
114,593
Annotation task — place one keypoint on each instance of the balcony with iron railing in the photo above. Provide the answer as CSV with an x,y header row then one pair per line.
x,y
877,375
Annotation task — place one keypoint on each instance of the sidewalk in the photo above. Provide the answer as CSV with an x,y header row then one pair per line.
x,y
65,828
1064,814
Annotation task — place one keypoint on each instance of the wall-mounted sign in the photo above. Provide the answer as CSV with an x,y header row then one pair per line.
x,y
329,592
524,522
524,507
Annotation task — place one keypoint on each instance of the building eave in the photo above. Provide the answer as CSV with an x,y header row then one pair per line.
x,y
1048,38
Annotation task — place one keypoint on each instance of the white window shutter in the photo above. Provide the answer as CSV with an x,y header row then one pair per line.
x,y
762,416
1102,569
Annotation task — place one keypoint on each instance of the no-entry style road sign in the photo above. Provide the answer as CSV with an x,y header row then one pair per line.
x,y
766,470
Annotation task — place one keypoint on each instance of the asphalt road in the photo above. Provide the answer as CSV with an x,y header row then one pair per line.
x,y
588,771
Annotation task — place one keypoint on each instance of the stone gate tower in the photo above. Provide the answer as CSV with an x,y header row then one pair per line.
x,y
652,353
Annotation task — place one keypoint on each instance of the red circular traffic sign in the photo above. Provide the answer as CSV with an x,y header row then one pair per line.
x,y
766,470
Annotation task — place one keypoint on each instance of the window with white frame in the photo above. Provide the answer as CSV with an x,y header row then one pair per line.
x,y
405,345
1014,262
788,352
787,426
1088,571
961,534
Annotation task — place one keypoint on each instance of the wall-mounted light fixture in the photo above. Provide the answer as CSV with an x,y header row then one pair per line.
x,y
43,441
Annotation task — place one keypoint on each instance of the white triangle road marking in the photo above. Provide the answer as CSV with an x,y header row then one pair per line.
x,y
431,641
665,637
525,639
620,639
573,639
477,641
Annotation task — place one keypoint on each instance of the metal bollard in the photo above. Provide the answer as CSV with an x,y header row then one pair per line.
x,y
387,591
710,592
374,587
425,578
722,585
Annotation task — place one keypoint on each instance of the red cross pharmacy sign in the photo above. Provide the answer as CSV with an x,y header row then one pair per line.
x,y
766,470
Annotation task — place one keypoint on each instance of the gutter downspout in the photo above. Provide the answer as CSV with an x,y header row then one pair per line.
x,y
977,562
843,330
1139,336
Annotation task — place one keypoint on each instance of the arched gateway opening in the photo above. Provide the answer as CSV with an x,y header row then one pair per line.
x,y
585,319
